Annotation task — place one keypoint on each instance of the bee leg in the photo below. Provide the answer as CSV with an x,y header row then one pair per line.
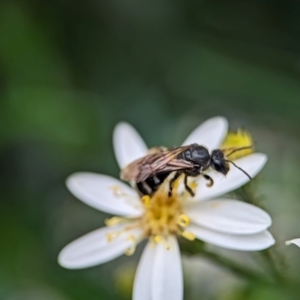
x,y
187,187
172,183
211,181
143,188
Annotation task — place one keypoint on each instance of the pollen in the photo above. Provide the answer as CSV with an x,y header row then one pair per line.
x,y
163,214
114,221
235,140
118,191
157,238
112,235
130,250
188,235
183,220
146,200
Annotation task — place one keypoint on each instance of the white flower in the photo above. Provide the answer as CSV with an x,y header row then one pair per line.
x,y
294,241
223,222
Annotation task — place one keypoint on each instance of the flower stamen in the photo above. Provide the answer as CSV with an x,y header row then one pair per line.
x,y
118,191
188,235
146,200
131,249
164,214
157,239
160,239
114,221
112,235
236,140
183,220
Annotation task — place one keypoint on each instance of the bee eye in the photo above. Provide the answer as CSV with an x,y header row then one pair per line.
x,y
218,162
221,167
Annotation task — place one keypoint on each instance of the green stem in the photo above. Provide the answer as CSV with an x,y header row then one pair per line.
x,y
276,272
272,256
198,248
235,267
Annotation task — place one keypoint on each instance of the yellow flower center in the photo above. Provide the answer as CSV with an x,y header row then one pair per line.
x,y
235,140
163,216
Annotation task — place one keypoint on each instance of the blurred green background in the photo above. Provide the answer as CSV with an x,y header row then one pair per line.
x,y
69,71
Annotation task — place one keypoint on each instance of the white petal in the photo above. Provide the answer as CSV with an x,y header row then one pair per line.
x,y
234,179
167,281
294,241
128,144
253,242
143,276
94,248
209,134
229,216
105,193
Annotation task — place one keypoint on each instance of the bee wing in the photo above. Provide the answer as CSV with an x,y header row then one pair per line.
x,y
152,164
132,171
164,167
179,164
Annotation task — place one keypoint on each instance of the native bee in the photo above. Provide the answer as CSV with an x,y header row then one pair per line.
x,y
150,171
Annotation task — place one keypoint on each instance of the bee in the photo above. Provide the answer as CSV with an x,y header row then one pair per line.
x,y
149,172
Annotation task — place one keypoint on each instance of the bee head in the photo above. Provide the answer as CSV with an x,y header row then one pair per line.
x,y
218,162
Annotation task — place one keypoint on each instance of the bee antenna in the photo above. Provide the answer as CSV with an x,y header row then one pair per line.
x,y
239,149
240,169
